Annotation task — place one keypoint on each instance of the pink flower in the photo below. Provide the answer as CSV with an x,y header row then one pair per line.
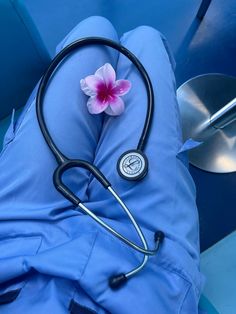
x,y
105,91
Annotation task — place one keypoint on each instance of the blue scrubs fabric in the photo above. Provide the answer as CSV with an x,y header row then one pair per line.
x,y
50,253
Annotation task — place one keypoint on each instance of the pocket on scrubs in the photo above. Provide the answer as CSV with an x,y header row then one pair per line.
x,y
10,131
161,286
12,277
16,118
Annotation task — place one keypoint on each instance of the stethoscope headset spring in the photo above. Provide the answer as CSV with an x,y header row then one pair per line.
x,y
132,165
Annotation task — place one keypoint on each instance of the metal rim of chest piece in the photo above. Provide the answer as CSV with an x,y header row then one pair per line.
x,y
132,165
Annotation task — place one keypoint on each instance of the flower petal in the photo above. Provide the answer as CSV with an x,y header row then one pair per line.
x,y
107,74
93,82
116,107
121,87
90,85
86,89
95,106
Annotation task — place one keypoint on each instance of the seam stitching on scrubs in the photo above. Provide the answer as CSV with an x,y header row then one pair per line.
x,y
23,118
120,243
190,276
185,270
41,241
184,299
16,131
179,134
175,189
89,256
175,271
56,225
17,236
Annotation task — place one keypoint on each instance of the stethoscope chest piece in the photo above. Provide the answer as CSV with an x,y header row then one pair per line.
x,y
132,165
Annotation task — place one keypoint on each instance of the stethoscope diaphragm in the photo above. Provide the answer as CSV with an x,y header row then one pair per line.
x,y
132,165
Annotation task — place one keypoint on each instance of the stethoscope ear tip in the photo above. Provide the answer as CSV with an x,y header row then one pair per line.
x,y
116,282
159,236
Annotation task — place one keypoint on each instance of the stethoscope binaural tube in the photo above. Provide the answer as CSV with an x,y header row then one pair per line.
x,y
65,163
79,44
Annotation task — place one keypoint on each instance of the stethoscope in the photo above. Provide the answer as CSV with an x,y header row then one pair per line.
x,y
132,165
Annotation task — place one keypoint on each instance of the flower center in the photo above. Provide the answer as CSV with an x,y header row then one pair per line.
x,y
104,92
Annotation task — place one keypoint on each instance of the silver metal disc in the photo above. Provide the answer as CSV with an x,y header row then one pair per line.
x,y
199,99
132,165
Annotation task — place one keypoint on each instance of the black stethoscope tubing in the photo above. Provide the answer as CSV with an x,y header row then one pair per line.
x,y
60,56
65,163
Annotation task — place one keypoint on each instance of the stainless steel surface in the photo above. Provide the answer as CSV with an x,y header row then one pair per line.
x,y
208,112
224,116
